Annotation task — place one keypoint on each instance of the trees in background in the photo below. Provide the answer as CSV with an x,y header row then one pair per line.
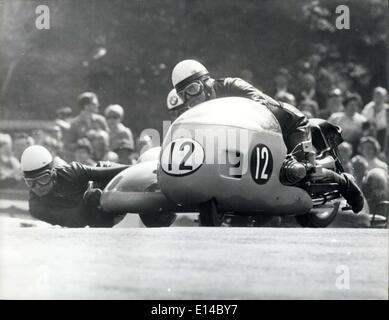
x,y
125,50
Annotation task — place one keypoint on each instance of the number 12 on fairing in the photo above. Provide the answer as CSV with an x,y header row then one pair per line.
x,y
181,157
261,165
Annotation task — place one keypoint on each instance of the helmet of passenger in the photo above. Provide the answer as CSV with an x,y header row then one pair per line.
x,y
186,72
173,100
35,159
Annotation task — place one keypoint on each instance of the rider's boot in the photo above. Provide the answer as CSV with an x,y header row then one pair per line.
x,y
348,189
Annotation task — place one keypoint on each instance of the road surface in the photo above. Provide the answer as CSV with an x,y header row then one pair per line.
x,y
193,263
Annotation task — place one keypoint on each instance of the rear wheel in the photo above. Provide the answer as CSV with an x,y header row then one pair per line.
x,y
319,217
157,219
209,215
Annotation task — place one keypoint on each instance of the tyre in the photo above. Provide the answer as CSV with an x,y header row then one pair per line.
x,y
319,217
157,219
209,215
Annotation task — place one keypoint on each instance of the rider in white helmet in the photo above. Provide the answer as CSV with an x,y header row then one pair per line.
x,y
60,193
37,166
194,85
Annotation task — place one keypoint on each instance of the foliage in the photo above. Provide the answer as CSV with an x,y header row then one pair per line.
x,y
125,50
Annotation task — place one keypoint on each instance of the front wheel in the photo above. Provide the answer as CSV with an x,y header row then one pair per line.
x,y
157,219
319,217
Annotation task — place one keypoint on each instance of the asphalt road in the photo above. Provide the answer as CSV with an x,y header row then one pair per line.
x,y
193,263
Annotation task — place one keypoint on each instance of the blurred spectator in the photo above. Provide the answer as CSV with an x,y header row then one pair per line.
x,y
353,124
377,111
43,138
286,97
145,142
117,131
334,104
56,133
360,166
63,119
10,170
345,153
281,80
375,187
100,145
83,152
87,120
310,108
125,151
20,143
370,149
39,136
308,91
345,84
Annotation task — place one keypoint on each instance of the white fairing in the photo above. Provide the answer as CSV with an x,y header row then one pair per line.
x,y
242,148
150,155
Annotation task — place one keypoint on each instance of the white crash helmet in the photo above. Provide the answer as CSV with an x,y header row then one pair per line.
x,y
173,100
35,158
186,72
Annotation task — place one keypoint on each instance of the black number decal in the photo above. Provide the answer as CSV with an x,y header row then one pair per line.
x,y
261,164
182,157
183,165
169,166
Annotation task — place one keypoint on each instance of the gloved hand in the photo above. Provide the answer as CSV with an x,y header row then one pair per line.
x,y
92,197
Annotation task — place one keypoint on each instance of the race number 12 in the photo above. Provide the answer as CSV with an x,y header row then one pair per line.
x,y
181,157
261,165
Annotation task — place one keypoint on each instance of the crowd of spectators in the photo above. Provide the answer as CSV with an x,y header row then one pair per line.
x,y
88,138
364,124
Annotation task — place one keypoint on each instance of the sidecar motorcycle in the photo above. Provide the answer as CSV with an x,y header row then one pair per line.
x,y
223,158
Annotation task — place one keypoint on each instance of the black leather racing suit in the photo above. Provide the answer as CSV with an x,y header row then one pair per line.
x,y
294,124
64,205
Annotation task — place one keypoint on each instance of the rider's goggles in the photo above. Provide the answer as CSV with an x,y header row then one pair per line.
x,y
193,89
43,180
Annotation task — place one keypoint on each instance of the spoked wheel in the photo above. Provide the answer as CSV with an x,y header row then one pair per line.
x,y
157,219
319,217
209,215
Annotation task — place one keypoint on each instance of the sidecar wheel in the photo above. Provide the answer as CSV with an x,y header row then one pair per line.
x,y
157,219
209,216
318,217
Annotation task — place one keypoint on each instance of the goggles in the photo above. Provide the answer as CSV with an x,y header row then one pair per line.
x,y
193,89
43,180
113,116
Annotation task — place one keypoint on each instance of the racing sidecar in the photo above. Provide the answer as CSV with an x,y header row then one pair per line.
x,y
223,157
